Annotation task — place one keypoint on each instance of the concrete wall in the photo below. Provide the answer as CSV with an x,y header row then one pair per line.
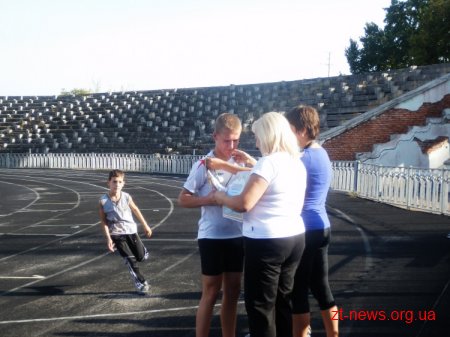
x,y
358,136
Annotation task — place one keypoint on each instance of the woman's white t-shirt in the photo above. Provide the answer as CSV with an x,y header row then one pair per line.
x,y
278,213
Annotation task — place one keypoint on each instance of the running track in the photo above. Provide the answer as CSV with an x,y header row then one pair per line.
x,y
57,278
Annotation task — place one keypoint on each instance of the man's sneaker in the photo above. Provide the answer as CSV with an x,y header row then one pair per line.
x,y
143,289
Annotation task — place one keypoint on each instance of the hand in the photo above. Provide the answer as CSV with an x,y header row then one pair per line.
x,y
211,199
219,196
111,246
214,163
148,231
244,158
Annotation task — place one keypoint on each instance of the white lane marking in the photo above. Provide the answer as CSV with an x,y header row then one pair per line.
x,y
63,187
170,203
46,244
120,314
66,225
55,274
55,203
419,334
31,203
169,240
176,264
43,210
21,277
34,234
50,242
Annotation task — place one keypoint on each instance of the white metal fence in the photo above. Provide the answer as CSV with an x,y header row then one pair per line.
x,y
411,188
421,189
169,164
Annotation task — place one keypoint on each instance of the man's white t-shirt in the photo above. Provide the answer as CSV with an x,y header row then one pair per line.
x,y
212,224
278,213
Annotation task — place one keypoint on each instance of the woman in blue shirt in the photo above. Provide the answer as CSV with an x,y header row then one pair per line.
x,y
312,272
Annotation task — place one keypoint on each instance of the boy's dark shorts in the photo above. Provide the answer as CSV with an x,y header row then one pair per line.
x,y
221,255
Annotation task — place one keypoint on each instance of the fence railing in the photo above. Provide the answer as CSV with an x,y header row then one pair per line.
x,y
168,164
412,188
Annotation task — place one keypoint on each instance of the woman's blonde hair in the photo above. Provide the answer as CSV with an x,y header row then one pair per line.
x,y
274,134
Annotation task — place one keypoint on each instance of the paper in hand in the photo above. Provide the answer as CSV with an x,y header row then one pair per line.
x,y
215,182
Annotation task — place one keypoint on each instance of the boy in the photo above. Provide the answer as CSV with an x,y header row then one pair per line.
x,y
116,209
219,239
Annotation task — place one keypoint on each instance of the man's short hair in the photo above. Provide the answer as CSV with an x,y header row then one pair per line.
x,y
227,121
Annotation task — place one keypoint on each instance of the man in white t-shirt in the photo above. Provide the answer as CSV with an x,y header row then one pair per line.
x,y
219,239
273,229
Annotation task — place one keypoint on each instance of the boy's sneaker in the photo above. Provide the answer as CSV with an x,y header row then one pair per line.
x,y
144,288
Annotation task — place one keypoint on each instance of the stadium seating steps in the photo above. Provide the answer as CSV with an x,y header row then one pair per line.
x,y
181,120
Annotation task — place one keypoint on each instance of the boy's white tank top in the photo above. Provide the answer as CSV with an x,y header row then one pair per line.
x,y
118,215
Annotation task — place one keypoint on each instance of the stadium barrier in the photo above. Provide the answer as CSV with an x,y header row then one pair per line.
x,y
411,188
154,163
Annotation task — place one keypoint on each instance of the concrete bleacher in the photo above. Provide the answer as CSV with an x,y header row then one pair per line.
x,y
183,119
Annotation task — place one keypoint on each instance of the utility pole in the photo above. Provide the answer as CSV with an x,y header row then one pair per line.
x,y
329,63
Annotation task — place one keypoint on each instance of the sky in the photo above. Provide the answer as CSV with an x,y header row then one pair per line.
x,y
47,46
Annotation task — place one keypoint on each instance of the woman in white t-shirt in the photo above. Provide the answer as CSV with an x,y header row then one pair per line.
x,y
273,228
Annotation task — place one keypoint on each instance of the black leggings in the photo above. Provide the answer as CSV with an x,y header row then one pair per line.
x,y
132,250
312,273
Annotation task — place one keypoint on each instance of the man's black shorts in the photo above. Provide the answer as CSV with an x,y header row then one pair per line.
x,y
221,255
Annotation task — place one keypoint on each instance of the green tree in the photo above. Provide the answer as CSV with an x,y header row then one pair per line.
x,y
416,32
431,42
353,55
75,92
373,55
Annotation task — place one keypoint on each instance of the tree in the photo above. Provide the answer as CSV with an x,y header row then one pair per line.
x,y
75,92
374,52
430,44
411,27
353,55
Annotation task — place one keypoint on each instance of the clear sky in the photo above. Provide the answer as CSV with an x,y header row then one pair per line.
x,y
115,45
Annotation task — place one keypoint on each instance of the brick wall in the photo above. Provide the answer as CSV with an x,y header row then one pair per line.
x,y
378,130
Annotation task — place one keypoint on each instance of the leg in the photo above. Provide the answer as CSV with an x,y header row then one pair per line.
x,y
137,247
122,243
264,260
300,324
283,307
210,289
301,310
320,286
330,322
231,290
233,257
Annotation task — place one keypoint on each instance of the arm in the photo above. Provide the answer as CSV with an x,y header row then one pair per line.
x,y
190,200
244,158
219,164
140,217
244,202
105,229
